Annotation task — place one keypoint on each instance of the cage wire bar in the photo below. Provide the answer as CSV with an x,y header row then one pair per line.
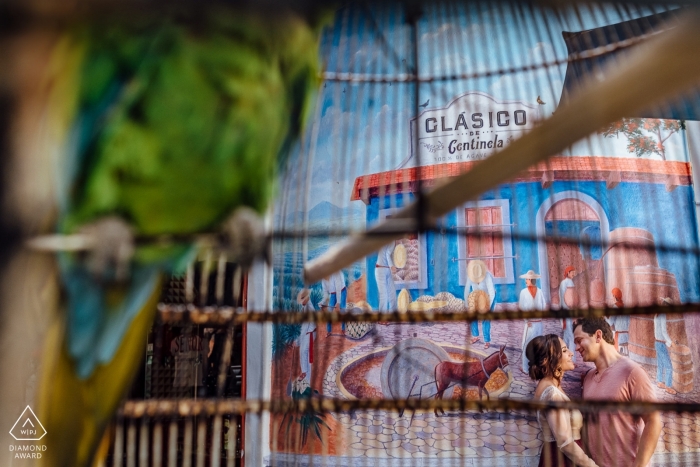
x,y
335,406
205,427
218,316
206,414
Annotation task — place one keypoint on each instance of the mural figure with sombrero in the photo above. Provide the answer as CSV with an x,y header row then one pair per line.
x,y
384,274
480,296
531,298
305,341
567,301
335,295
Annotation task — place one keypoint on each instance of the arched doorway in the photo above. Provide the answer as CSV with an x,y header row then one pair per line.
x,y
577,216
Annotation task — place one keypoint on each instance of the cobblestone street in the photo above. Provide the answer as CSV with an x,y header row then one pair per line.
x,y
380,434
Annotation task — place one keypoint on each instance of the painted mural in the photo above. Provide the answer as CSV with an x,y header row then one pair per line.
x,y
622,199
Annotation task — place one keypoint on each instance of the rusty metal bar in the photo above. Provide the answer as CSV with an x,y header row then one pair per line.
x,y
118,444
158,444
231,445
225,315
201,442
188,408
131,445
143,442
172,444
187,451
216,442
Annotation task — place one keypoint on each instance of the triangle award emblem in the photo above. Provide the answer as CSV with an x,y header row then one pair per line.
x,y
28,427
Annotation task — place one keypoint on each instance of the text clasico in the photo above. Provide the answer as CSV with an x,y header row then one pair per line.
x,y
501,119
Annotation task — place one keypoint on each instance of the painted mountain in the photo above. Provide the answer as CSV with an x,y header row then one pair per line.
x,y
325,214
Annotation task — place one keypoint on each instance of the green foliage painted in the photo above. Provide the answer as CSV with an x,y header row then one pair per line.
x,y
645,136
283,335
309,421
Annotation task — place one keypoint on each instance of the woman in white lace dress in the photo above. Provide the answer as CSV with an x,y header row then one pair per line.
x,y
549,359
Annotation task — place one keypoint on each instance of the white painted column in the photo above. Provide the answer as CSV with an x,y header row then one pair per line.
x,y
258,365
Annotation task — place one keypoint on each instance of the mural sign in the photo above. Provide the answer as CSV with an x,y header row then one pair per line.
x,y
576,232
471,127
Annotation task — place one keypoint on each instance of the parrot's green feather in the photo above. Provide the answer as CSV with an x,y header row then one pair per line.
x,y
170,126
200,124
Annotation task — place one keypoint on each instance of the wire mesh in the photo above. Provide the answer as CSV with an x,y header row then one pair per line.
x,y
528,215
357,372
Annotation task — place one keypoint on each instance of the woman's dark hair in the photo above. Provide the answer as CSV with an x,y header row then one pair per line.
x,y
544,356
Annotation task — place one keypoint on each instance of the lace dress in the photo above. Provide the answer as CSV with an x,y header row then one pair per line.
x,y
561,433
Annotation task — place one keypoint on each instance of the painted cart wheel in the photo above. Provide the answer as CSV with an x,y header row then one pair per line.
x,y
409,369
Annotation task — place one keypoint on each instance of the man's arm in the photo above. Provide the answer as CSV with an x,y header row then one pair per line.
x,y
650,436
641,389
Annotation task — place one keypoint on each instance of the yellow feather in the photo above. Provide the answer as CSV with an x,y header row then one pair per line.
x,y
73,409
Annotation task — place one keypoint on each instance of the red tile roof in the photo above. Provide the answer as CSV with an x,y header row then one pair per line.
x,y
563,168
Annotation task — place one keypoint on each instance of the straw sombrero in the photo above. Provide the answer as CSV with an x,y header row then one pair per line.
x,y
478,301
476,270
400,256
425,306
530,275
359,329
363,306
403,301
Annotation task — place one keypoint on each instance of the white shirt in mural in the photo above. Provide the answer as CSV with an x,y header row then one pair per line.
x,y
306,335
384,257
528,303
565,284
660,330
307,327
334,284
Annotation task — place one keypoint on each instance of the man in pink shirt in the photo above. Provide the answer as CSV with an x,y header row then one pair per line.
x,y
615,438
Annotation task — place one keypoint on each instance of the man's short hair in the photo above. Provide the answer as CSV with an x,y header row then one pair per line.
x,y
591,325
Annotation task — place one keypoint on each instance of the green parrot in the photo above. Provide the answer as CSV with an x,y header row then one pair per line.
x,y
165,128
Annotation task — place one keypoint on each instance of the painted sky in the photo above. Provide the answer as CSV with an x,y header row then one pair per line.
x,y
363,128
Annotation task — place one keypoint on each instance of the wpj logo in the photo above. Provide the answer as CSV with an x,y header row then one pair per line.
x,y
28,427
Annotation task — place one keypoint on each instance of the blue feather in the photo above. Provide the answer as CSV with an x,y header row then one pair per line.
x,y
95,329
83,135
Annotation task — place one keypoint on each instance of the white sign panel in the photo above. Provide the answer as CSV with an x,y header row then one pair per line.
x,y
471,127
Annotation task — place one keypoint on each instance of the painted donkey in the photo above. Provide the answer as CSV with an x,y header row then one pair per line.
x,y
468,373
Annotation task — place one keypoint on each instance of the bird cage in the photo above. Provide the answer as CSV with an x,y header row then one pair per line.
x,y
473,179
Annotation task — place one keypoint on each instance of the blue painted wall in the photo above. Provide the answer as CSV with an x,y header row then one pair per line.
x,y
669,216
